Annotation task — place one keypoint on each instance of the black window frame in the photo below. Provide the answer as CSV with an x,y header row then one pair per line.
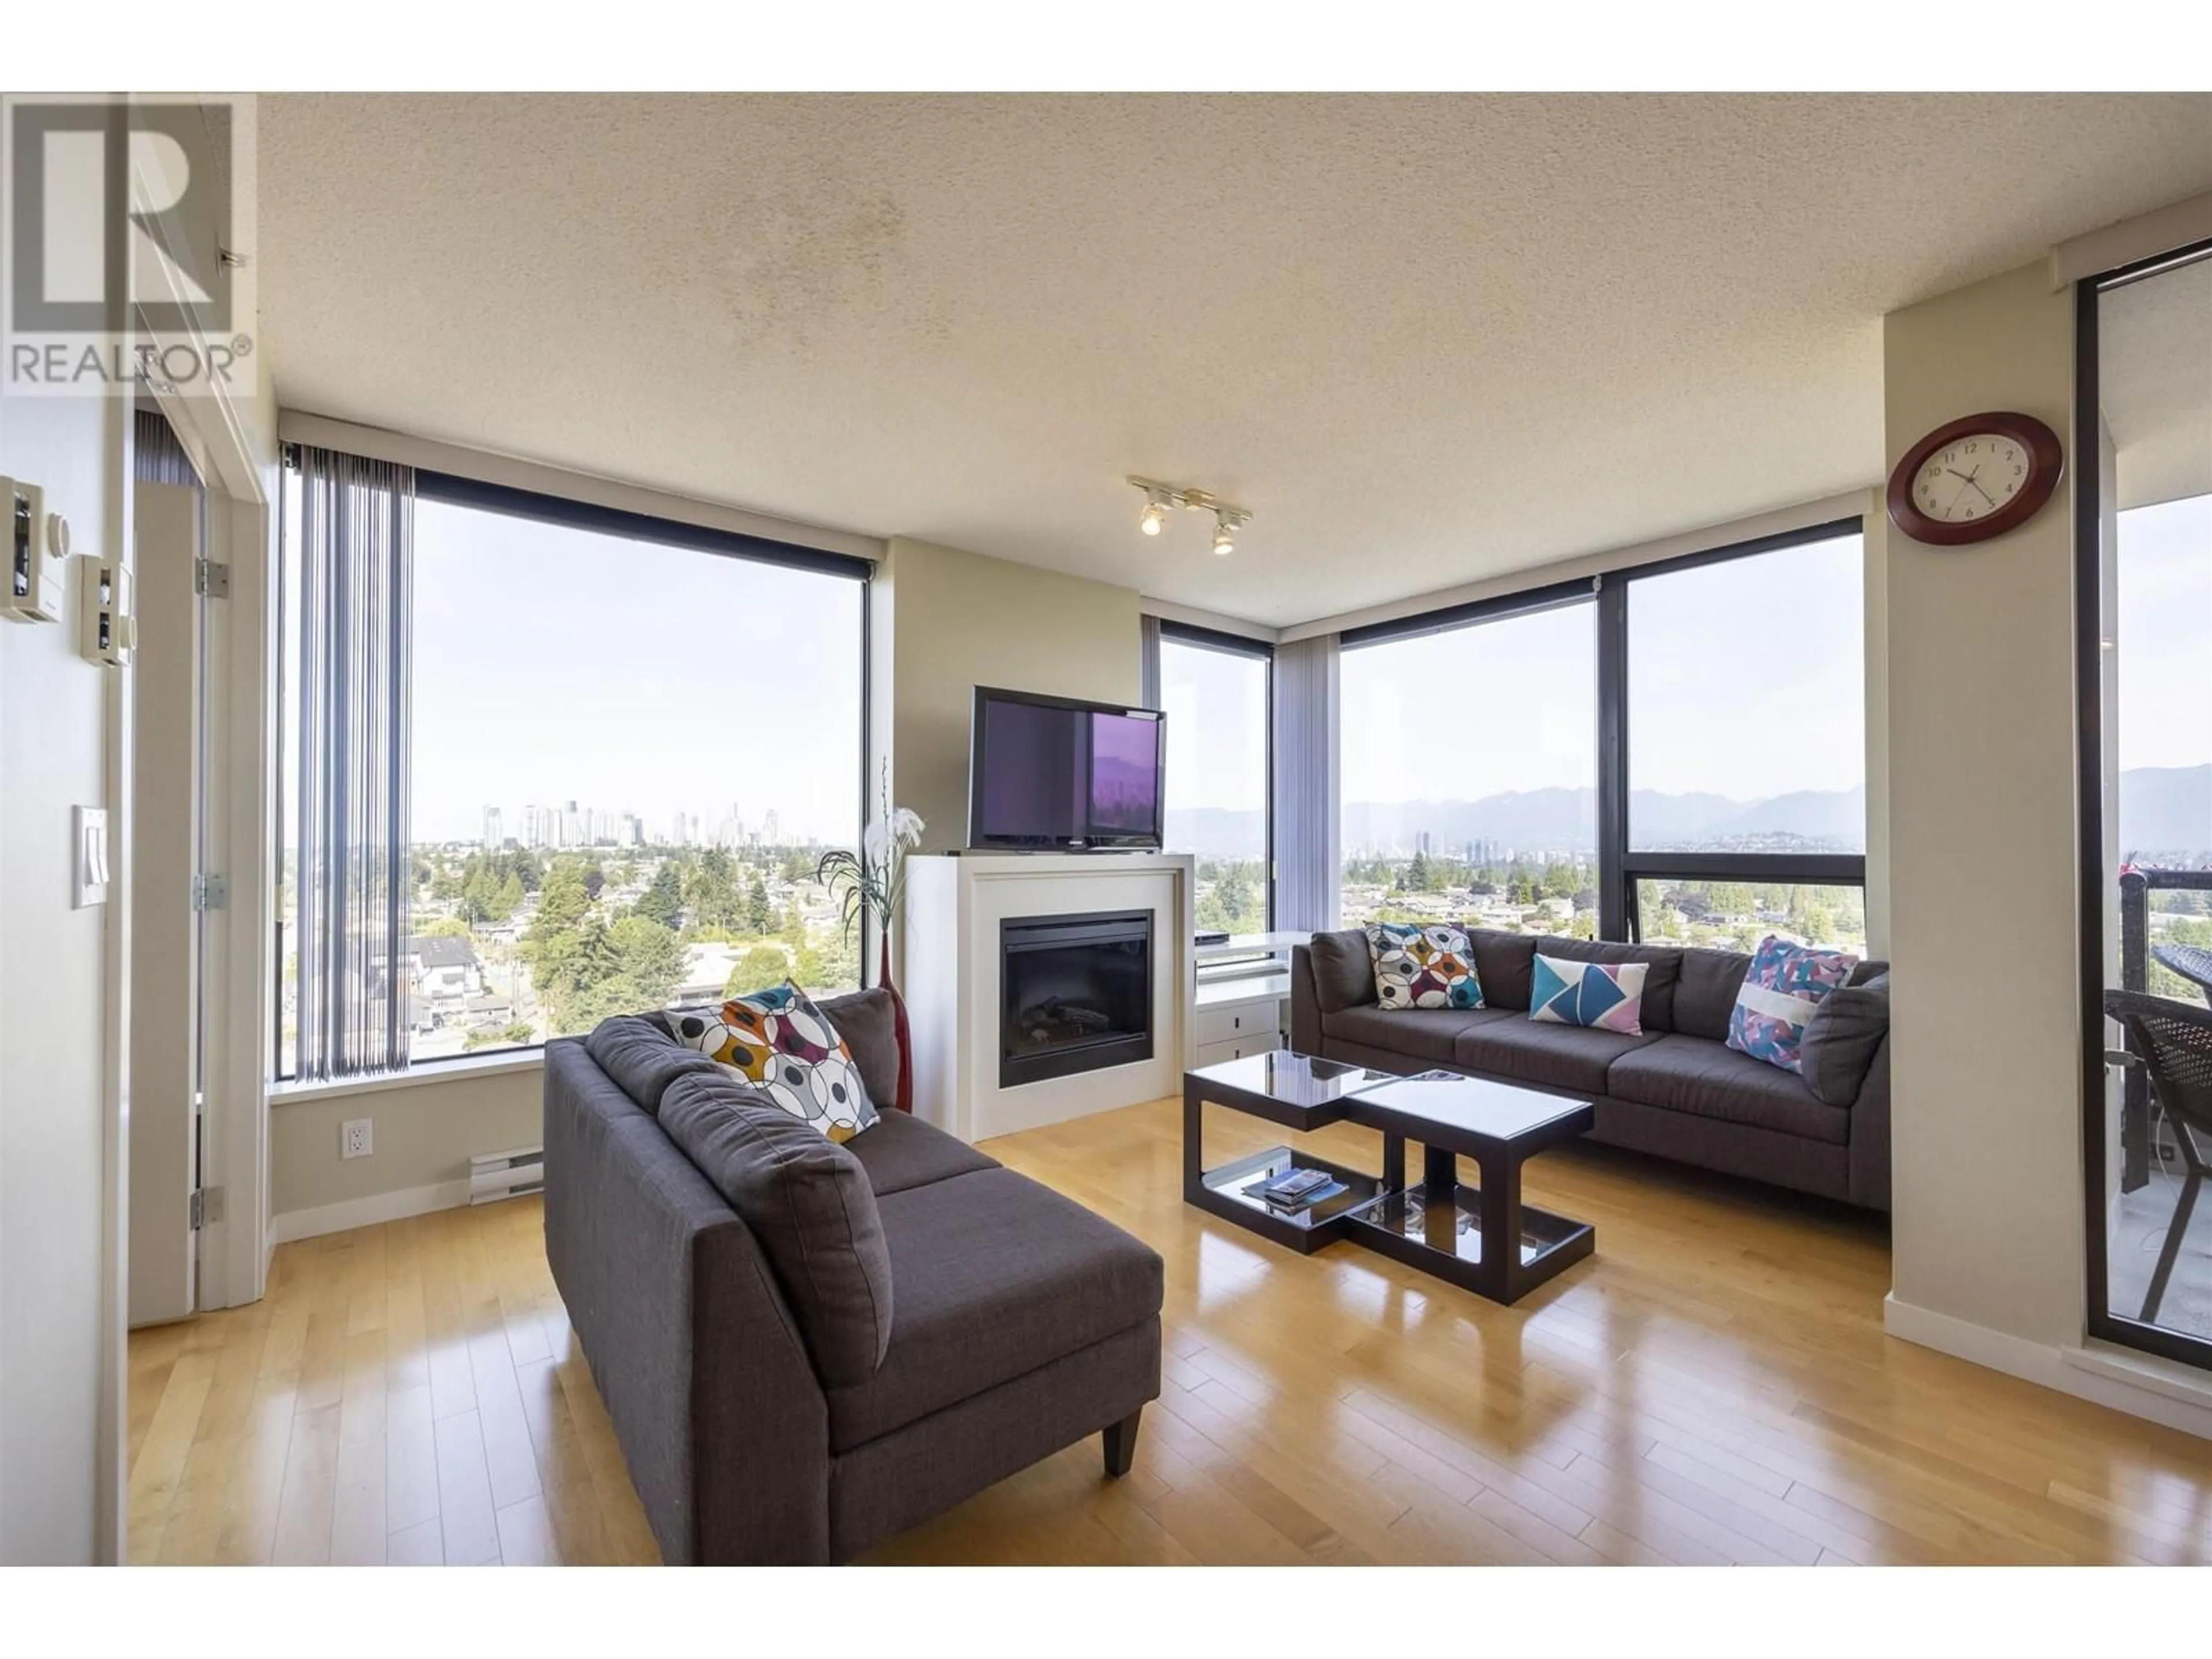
x,y
1620,866
1237,645
566,512
2099,1321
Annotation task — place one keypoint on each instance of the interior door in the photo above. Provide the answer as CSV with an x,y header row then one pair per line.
x,y
165,1045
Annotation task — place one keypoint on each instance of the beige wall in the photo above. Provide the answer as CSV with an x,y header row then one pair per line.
x,y
425,1133
946,622
1986,1038
55,1140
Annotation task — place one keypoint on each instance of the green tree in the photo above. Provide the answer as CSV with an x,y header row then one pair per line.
x,y
759,914
663,898
1418,876
760,967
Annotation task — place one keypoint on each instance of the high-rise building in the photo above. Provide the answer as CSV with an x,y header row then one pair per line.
x,y
533,826
572,826
770,835
493,839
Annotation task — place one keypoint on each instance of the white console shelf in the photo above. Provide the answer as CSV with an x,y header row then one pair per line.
x,y
1243,989
950,977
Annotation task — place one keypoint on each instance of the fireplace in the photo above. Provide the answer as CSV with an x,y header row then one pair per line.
x,y
1076,995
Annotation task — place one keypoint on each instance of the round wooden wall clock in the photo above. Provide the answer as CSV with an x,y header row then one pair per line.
x,y
1975,479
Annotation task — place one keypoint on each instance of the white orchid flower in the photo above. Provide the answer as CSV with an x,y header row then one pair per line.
x,y
875,841
906,827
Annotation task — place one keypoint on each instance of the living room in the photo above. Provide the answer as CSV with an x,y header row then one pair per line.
x,y
832,776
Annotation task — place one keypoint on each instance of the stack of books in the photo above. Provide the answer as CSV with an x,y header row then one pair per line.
x,y
1297,1190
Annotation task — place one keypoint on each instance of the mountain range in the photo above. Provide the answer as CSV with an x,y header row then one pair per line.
x,y
2162,810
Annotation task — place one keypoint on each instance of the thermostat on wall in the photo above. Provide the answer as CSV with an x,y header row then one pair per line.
x,y
37,545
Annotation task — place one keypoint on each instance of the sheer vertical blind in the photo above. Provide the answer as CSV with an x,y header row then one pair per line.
x,y
1308,862
356,526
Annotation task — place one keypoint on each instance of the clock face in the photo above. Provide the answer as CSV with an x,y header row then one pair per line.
x,y
1971,478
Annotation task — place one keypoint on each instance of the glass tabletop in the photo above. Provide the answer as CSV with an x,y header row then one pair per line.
x,y
1293,1078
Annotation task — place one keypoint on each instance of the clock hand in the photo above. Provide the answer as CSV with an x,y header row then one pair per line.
x,y
1978,490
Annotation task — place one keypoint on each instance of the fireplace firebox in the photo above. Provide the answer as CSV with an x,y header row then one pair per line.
x,y
1076,995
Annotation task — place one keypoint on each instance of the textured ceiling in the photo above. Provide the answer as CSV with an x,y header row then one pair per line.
x,y
1426,338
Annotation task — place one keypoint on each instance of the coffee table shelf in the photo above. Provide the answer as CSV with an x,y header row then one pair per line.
x,y
1482,1237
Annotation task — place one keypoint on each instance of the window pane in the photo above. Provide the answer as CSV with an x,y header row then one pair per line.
x,y
1747,704
1734,916
1488,816
1215,703
627,759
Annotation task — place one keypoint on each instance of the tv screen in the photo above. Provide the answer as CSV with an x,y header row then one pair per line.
x,y
1054,772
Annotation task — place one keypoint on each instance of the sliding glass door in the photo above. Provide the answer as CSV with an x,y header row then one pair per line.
x,y
2144,537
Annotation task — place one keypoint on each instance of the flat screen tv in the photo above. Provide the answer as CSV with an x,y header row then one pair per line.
x,y
1052,772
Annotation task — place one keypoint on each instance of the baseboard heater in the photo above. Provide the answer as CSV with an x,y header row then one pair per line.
x,y
494,1175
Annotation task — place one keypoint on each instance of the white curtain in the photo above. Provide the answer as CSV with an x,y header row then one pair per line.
x,y
353,608
1309,850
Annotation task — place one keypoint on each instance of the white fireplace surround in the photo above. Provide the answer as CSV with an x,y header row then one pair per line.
x,y
954,905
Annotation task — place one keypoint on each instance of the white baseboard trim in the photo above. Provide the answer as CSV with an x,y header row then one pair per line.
x,y
367,1212
2140,1385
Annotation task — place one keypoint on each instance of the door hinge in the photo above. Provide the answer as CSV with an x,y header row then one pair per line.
x,y
206,1207
211,579
210,892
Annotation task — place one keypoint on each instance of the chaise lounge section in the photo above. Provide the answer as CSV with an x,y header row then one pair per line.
x,y
807,1347
1676,1090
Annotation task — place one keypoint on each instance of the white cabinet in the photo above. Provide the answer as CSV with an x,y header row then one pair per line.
x,y
1237,1018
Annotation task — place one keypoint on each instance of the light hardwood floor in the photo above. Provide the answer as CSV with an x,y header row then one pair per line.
x,y
1713,1387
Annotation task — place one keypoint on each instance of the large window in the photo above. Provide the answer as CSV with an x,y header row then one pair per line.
x,y
1672,752
1469,768
1747,748
2143,539
623,759
1215,690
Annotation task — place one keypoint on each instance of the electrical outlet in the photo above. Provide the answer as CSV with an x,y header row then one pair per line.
x,y
357,1137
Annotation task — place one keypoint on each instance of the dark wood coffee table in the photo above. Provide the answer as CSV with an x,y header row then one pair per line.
x,y
1482,1238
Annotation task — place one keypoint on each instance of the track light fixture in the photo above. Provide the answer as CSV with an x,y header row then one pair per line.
x,y
1159,497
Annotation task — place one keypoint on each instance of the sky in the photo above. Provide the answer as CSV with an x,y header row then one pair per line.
x,y
1215,703
1745,680
555,665
2165,635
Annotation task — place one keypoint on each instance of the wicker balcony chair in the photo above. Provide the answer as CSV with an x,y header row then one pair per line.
x,y
2172,1041
2192,961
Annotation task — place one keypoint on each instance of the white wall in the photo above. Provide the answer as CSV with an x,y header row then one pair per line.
x,y
1985,1039
945,621
57,1133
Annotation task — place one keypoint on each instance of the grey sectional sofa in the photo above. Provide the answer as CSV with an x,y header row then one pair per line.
x,y
1677,1090
805,1347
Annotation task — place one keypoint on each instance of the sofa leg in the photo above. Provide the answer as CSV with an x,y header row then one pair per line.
x,y
1121,1440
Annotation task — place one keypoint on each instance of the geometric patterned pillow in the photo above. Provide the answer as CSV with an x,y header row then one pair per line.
x,y
786,1046
1783,985
1430,967
1609,995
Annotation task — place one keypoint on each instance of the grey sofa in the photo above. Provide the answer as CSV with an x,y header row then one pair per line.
x,y
1676,1090
806,1348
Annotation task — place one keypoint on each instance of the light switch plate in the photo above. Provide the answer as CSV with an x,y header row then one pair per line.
x,y
88,866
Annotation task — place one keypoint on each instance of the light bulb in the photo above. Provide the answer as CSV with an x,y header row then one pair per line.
x,y
1154,513
1225,540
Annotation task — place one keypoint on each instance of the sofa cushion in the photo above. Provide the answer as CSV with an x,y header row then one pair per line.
x,y
641,1056
1705,995
1503,963
1708,1079
1785,983
1572,1059
778,1041
1868,971
1428,1033
997,1276
1662,964
1343,970
903,1151
869,1023
807,1201
1605,996
1423,967
1841,1039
